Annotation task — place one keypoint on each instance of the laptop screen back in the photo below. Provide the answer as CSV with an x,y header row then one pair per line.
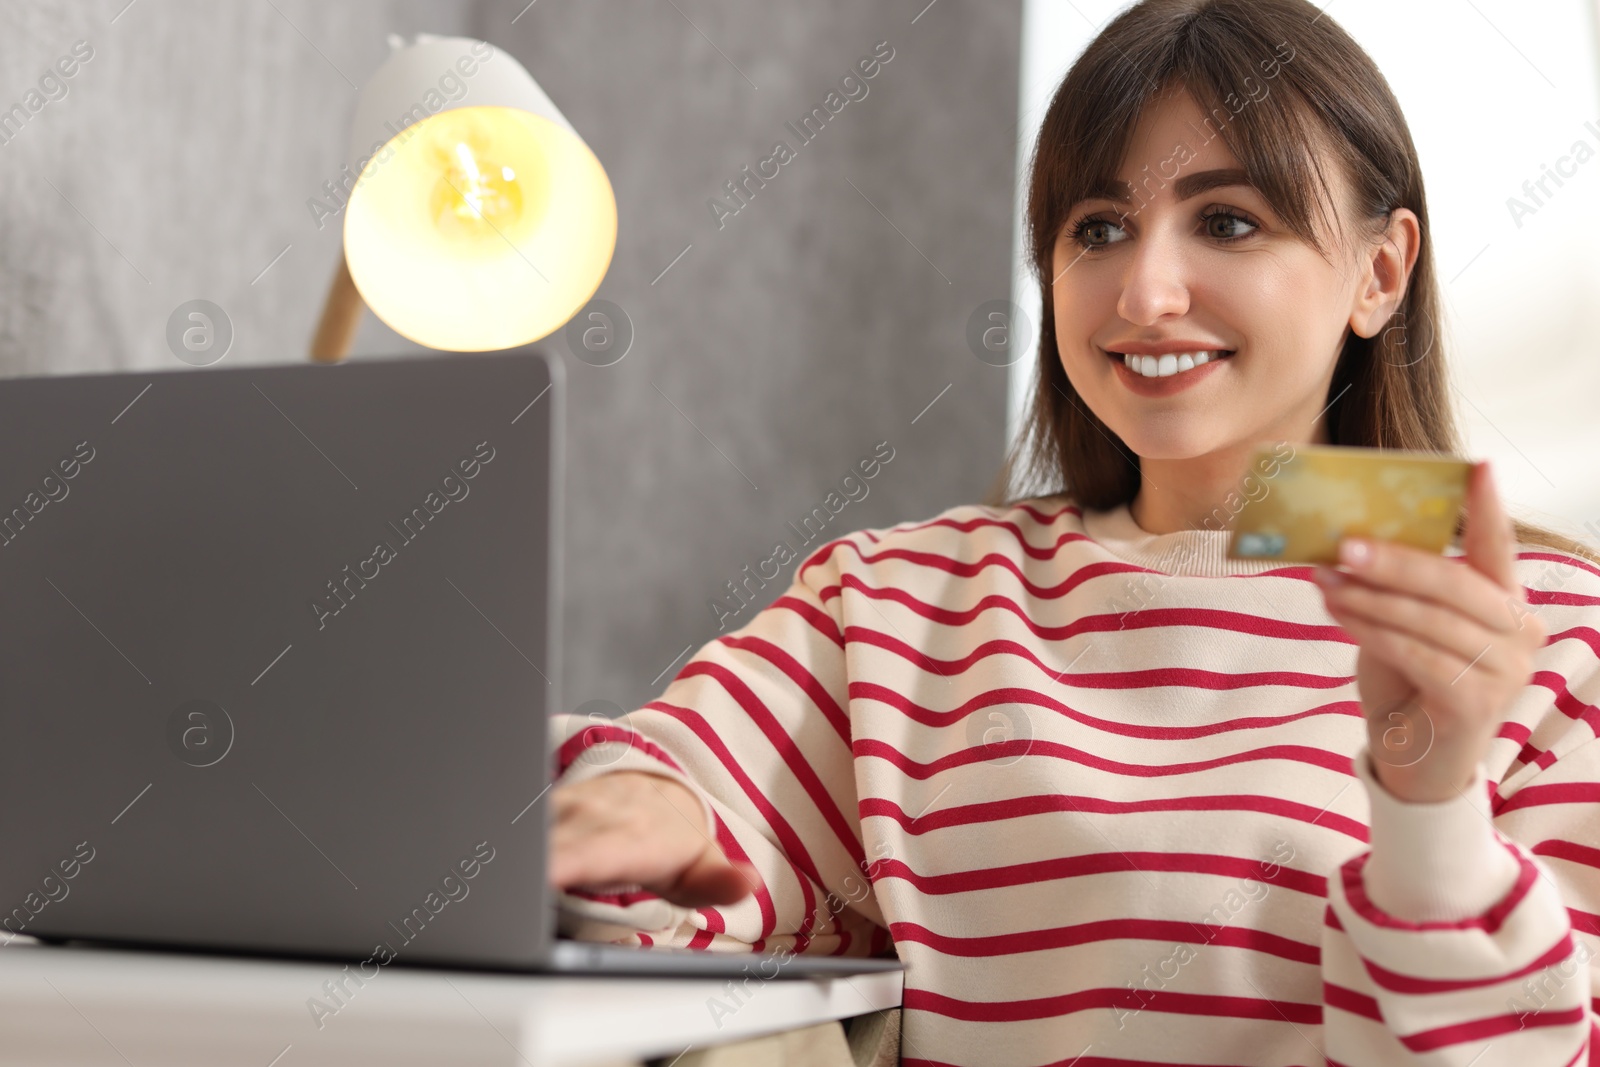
x,y
276,656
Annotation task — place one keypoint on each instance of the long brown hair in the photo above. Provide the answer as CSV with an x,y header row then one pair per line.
x,y
1322,91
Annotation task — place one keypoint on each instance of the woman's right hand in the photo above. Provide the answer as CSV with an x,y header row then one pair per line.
x,y
636,828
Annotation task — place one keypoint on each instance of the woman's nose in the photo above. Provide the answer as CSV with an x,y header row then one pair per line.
x,y
1154,285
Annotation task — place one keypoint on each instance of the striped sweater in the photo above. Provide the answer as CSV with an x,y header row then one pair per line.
x,y
1107,795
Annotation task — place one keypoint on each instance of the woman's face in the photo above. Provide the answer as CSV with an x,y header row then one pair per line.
x,y
1185,264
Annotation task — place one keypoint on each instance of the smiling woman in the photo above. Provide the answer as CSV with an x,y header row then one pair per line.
x,y
1267,814
1264,219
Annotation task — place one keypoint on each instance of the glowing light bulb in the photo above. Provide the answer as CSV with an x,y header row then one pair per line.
x,y
480,228
476,197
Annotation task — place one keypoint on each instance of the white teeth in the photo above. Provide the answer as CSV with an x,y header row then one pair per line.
x,y
1168,365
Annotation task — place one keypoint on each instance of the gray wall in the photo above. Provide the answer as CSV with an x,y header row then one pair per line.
x,y
822,318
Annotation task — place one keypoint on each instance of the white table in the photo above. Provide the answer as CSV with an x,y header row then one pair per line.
x,y
72,1006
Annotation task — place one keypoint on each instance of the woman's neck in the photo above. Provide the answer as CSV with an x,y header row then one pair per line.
x,y
1198,493
1192,494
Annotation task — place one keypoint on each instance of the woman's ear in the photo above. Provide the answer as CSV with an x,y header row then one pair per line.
x,y
1388,270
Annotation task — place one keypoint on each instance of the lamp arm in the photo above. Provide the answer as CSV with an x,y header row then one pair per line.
x,y
341,317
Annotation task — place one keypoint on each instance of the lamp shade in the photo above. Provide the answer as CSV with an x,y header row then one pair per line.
x,y
479,219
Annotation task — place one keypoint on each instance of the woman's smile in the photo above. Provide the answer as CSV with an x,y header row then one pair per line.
x,y
1147,363
1168,374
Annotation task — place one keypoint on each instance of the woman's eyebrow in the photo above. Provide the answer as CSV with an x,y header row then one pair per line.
x,y
1190,185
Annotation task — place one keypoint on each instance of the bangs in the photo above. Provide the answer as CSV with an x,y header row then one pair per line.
x,y
1241,79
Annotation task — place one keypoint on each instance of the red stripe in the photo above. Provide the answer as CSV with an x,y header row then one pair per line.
x,y
1337,996
1135,679
599,733
1021,807
1570,705
1514,731
1161,1001
1568,850
1561,557
1586,634
1355,893
620,900
1018,747
967,526
820,555
808,928
1490,1026
1396,982
820,620
734,851
786,747
1079,576
1521,734
1164,930
1079,1061
1543,596
1145,618
1048,520
793,848
1035,872
802,678
972,568
1012,696
1536,796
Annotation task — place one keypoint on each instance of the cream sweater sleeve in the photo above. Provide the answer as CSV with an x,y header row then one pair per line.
x,y
1474,923
755,724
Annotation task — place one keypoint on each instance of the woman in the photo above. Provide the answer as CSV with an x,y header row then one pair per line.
x,y
1115,797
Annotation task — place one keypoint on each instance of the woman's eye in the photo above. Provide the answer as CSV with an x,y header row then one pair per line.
x,y
1097,232
1226,226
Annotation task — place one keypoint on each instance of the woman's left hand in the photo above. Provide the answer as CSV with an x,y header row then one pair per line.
x,y
1446,645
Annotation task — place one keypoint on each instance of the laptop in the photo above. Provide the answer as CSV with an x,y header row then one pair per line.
x,y
277,649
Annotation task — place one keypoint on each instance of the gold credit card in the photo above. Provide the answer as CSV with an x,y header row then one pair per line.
x,y
1299,500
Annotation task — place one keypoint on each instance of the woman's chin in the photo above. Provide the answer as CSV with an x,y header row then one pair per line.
x,y
1170,442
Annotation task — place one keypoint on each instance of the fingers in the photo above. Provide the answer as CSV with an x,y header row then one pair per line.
x,y
1488,539
586,859
712,880
1437,625
586,852
1387,566
635,828
1431,669
600,835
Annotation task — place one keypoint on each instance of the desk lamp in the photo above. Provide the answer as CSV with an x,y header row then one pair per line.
x,y
477,218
